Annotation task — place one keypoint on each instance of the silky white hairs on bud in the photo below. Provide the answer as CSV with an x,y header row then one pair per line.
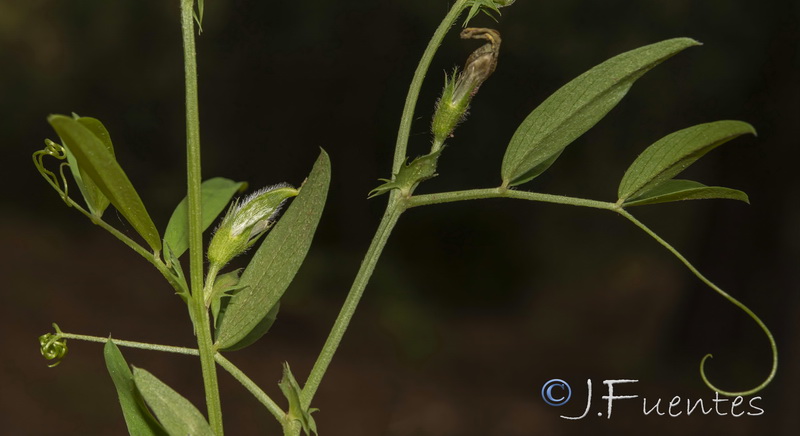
x,y
257,221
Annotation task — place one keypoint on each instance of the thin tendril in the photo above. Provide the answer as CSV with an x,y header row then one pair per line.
x,y
446,197
725,295
65,194
57,151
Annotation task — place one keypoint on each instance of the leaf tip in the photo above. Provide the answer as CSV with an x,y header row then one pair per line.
x,y
693,42
52,118
686,41
739,128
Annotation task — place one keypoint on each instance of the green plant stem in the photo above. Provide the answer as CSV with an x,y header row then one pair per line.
x,y
291,427
725,295
436,145
211,277
396,206
416,85
133,344
394,209
479,194
250,385
148,255
200,317
385,228
232,369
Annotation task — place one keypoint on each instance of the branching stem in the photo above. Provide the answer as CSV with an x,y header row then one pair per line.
x,y
396,206
407,118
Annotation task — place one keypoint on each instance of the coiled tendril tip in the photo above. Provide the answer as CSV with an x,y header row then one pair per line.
x,y
756,389
53,346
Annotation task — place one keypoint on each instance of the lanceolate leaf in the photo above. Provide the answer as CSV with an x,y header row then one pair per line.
x,y
175,266
95,200
673,153
99,163
216,194
258,331
676,190
576,107
95,126
224,287
178,416
276,262
138,418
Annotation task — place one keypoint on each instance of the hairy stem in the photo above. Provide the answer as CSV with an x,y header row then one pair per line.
x,y
132,344
251,386
394,209
197,305
385,228
211,277
416,84
479,194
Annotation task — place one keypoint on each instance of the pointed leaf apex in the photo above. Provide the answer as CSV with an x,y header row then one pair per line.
x,y
577,106
670,155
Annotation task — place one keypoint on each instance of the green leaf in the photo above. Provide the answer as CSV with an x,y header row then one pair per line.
x,y
676,190
577,107
216,194
177,271
94,158
178,416
541,167
224,287
258,331
138,418
291,390
95,200
487,6
670,155
276,262
410,175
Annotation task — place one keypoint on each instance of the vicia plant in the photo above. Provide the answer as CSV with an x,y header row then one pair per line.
x,y
232,309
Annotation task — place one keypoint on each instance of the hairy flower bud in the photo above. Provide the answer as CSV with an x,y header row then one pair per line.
x,y
459,88
450,109
245,221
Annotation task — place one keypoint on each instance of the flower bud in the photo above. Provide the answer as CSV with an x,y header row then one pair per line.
x,y
451,107
459,88
245,221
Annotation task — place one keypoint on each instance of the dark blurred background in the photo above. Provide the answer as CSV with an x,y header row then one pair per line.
x,y
473,305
